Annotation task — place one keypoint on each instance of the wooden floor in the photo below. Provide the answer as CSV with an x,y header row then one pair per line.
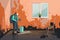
x,y
33,35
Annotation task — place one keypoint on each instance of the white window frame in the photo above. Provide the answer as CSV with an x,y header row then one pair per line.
x,y
40,11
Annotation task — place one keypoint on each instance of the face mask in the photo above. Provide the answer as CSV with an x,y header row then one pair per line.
x,y
17,13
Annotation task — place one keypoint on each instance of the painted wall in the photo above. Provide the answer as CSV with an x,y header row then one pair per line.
x,y
53,6
5,10
26,15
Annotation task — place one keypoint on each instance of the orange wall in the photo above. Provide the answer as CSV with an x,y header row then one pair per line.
x,y
5,10
53,6
26,5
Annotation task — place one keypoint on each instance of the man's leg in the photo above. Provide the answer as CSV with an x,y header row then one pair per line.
x,y
16,27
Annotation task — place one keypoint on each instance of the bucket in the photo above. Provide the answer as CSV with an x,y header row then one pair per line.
x,y
21,29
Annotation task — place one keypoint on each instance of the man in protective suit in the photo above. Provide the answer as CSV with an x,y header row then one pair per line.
x,y
14,21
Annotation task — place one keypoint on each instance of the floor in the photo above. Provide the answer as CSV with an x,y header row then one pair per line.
x,y
31,35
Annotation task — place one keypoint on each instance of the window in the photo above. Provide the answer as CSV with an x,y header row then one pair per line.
x,y
40,10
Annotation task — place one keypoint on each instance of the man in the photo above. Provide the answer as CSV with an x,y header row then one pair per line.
x,y
14,21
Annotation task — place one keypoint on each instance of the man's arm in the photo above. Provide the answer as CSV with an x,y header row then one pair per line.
x,y
13,19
